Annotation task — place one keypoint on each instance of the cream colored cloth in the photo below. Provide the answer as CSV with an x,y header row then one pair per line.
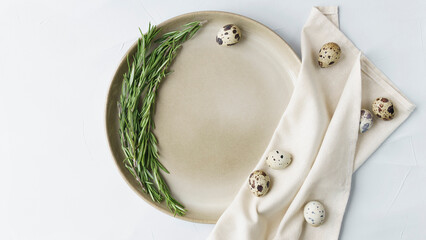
x,y
320,128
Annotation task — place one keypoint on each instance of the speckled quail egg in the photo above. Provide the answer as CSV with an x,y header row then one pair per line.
x,y
277,159
314,213
383,108
259,183
228,35
365,120
329,54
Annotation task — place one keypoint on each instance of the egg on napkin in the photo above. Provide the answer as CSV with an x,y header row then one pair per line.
x,y
259,183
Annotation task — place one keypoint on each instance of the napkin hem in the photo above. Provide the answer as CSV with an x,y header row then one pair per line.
x,y
370,69
327,10
327,26
367,67
331,12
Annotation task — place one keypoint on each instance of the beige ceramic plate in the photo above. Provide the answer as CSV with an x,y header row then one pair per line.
x,y
215,113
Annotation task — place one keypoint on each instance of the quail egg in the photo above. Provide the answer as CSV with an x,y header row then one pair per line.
x,y
259,183
277,159
329,54
383,108
228,35
314,213
365,121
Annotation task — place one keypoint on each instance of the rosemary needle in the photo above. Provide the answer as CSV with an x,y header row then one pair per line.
x,y
138,141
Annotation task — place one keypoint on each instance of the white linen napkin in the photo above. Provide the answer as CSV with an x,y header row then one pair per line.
x,y
320,128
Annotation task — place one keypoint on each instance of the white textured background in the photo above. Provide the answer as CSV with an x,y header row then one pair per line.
x,y
57,177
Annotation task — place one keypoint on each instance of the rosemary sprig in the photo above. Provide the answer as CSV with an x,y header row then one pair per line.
x,y
136,122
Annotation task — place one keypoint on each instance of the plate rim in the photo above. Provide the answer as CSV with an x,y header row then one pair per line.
x,y
136,190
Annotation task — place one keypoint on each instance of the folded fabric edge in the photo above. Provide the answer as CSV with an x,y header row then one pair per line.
x,y
328,9
326,25
331,12
376,75
367,66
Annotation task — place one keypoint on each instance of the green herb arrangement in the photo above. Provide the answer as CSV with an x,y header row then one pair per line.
x,y
136,128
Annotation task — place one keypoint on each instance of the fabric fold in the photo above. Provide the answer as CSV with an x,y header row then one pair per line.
x,y
320,128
